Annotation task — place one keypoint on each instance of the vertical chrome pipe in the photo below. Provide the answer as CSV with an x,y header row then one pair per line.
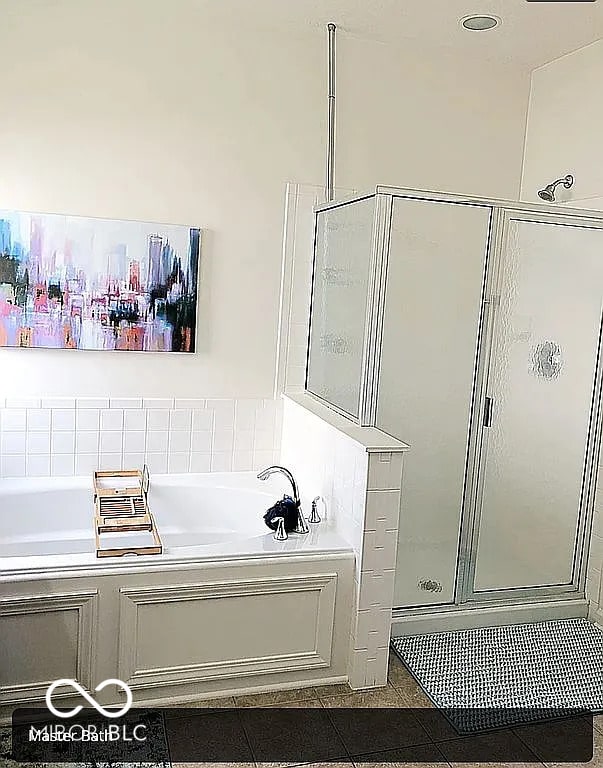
x,y
330,187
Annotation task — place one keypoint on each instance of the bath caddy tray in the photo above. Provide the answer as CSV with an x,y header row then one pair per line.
x,y
121,507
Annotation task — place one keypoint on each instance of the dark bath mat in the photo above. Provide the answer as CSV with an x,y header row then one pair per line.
x,y
495,677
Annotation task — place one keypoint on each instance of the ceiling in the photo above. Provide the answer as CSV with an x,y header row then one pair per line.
x,y
532,33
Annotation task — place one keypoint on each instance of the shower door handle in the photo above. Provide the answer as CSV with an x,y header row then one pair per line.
x,y
488,412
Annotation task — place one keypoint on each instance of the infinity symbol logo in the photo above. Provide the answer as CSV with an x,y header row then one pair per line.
x,y
77,687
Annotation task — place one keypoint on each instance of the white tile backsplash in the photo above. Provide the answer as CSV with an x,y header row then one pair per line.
x,y
110,442
179,442
201,442
134,442
111,420
158,419
65,436
87,442
38,466
63,419
135,420
92,402
63,442
157,441
87,419
23,402
62,466
14,420
39,419
12,466
181,419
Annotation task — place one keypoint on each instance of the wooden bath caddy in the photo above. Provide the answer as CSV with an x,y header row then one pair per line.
x,y
121,507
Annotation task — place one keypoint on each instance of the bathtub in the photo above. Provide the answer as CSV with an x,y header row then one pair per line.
x,y
47,523
224,609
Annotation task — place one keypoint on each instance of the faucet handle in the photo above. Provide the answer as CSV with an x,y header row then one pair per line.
x,y
302,525
280,534
314,516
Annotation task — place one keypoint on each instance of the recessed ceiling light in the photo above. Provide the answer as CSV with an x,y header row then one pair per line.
x,y
480,22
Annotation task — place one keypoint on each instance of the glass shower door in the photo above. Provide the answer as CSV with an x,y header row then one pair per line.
x,y
538,418
340,287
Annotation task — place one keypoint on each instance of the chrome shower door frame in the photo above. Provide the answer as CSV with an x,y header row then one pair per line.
x,y
472,511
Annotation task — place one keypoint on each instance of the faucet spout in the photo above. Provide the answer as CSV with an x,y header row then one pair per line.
x,y
302,525
265,474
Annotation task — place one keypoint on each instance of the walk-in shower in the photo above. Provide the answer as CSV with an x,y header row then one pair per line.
x,y
470,329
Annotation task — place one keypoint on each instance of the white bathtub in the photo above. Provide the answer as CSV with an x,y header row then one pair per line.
x,y
224,609
47,523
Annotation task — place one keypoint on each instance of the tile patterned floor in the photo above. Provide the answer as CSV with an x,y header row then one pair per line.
x,y
401,691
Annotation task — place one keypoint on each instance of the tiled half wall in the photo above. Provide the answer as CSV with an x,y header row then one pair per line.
x,y
358,471
75,436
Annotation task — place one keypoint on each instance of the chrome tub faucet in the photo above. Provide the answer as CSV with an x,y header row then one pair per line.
x,y
302,525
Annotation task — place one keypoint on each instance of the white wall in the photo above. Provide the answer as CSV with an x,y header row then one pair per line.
x,y
157,111
564,128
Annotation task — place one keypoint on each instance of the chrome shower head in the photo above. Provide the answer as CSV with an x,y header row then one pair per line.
x,y
548,193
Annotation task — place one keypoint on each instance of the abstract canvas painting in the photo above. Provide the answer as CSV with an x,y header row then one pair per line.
x,y
83,283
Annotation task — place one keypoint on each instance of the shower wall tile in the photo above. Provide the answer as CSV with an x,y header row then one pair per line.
x,y
66,436
328,462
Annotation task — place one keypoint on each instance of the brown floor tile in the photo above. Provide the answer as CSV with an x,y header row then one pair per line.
x,y
213,765
398,675
598,722
225,701
496,747
436,724
366,730
218,737
376,697
415,696
275,697
555,743
337,689
312,703
327,764
295,737
422,756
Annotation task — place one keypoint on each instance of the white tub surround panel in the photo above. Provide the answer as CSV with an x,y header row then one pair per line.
x,y
41,437
358,471
119,623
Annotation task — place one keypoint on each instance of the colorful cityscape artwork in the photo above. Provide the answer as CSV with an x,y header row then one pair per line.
x,y
83,283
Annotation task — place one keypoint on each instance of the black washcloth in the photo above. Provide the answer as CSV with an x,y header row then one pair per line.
x,y
286,508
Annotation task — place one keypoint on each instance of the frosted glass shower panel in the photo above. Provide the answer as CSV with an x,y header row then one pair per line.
x,y
342,261
544,355
432,313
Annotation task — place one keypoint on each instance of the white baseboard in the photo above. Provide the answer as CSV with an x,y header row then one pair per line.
x,y
596,615
413,623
